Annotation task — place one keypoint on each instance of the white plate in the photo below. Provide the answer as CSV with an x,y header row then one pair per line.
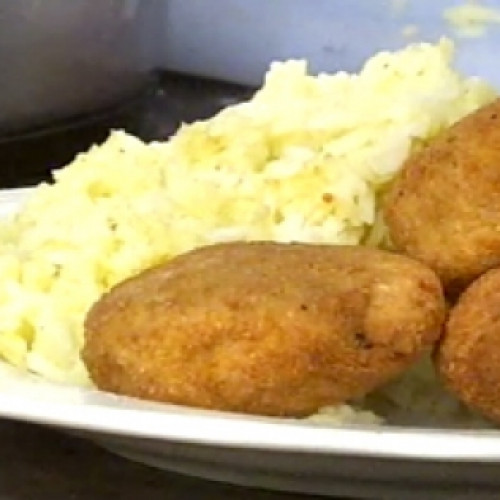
x,y
366,462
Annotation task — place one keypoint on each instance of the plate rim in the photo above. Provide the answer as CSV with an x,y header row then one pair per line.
x,y
104,413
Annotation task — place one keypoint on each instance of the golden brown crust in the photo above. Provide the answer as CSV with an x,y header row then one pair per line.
x,y
468,357
444,210
264,328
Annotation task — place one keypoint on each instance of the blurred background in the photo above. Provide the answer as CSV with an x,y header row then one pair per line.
x,y
71,71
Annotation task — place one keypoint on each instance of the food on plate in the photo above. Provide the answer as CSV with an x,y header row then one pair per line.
x,y
468,357
264,328
444,209
307,159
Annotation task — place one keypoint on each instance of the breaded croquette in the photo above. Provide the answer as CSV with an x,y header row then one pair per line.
x,y
444,210
468,357
264,328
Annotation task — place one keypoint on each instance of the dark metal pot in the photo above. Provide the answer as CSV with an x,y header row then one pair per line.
x,y
64,58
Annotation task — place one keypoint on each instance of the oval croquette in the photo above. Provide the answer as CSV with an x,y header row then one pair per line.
x,y
468,357
444,210
264,328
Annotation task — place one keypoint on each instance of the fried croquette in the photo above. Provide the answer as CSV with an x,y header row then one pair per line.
x,y
468,357
444,210
264,328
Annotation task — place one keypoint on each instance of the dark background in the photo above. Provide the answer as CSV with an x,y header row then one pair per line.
x,y
41,464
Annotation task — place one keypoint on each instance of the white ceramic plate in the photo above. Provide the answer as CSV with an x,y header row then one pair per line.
x,y
365,462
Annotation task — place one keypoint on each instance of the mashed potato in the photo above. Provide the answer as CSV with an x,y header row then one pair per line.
x,y
306,159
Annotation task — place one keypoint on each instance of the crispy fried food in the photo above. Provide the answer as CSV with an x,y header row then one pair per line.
x,y
468,357
444,210
264,328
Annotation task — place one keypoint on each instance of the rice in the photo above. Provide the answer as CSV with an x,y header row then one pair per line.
x,y
471,19
306,159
